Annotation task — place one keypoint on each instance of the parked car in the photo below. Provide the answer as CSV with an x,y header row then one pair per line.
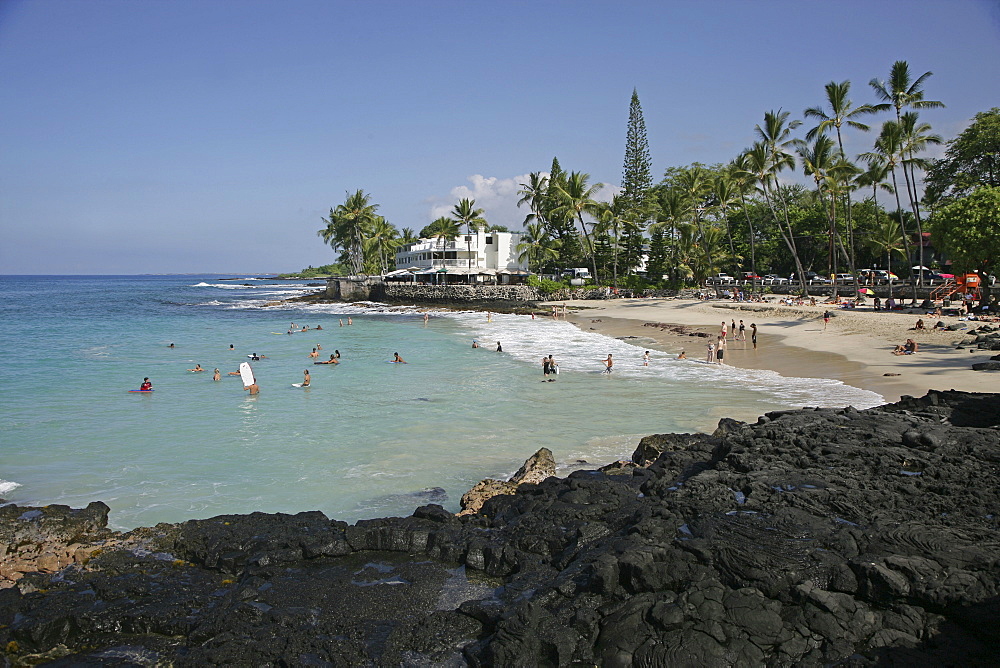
x,y
720,279
843,279
749,276
930,277
774,279
813,278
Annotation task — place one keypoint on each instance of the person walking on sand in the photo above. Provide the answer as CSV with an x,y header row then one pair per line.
x,y
216,375
753,334
826,319
608,363
305,378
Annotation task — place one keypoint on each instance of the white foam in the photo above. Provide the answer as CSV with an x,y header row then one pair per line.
x,y
579,351
6,487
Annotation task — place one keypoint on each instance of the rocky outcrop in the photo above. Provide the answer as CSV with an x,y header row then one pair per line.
x,y
816,536
535,469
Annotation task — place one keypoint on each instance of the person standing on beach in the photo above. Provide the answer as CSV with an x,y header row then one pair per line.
x,y
826,319
609,363
711,353
742,336
722,332
753,334
732,329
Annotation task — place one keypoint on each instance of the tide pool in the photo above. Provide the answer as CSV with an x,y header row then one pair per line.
x,y
367,439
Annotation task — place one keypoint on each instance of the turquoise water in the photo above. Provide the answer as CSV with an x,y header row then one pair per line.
x,y
367,439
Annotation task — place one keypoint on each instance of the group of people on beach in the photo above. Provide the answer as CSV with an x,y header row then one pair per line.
x,y
717,349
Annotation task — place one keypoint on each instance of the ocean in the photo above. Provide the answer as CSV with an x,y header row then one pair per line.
x,y
367,439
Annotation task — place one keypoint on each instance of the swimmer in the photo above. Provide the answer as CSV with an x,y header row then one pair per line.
x,y
170,346
499,347
336,353
314,353
475,344
146,385
319,347
318,327
350,321
341,322
197,367
254,389
426,318
682,356
332,360
305,379
397,359
231,347
234,373
216,375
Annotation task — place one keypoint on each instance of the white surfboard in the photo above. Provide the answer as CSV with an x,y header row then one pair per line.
x,y
246,373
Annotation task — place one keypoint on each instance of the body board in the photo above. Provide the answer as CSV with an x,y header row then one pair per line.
x,y
246,373
141,391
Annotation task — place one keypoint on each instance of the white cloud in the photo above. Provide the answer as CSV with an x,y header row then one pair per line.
x,y
498,198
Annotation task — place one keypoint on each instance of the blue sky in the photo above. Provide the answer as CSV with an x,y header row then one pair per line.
x,y
194,136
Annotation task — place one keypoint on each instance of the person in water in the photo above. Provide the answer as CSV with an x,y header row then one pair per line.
x,y
475,344
170,346
216,375
332,360
397,359
197,367
682,356
314,353
146,385
305,379
254,389
608,363
499,347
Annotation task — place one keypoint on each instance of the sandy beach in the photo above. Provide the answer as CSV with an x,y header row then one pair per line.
x,y
856,347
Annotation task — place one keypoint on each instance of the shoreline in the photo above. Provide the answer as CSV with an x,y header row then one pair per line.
x,y
856,348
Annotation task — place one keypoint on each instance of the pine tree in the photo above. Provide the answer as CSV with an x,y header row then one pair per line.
x,y
637,177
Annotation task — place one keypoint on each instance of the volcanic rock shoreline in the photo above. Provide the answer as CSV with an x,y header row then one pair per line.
x,y
815,536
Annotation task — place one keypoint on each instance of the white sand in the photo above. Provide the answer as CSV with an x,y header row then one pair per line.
x,y
856,346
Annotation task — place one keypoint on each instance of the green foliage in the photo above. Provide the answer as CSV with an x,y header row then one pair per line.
x,y
637,178
336,269
545,285
968,229
972,160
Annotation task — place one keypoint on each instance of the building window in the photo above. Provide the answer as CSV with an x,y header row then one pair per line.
x,y
489,240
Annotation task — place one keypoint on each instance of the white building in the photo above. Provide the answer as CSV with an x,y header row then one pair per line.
x,y
483,257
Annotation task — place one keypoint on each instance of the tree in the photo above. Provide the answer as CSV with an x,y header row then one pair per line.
x,y
536,247
637,176
841,112
968,229
887,238
576,197
901,91
972,160
380,245
443,229
465,212
349,225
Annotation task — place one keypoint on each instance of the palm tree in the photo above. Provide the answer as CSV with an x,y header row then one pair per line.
x,y
916,138
381,244
886,237
348,226
816,159
742,181
576,197
443,229
889,151
841,112
611,221
465,212
408,236
674,207
900,92
533,193
537,247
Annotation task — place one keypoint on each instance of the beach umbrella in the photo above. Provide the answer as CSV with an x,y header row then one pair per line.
x,y
866,291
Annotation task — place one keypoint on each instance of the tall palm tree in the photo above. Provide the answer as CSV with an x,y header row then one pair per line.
x,y
576,197
841,111
611,220
889,151
537,247
348,226
816,160
674,207
900,92
916,137
407,235
380,245
465,212
739,172
533,194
